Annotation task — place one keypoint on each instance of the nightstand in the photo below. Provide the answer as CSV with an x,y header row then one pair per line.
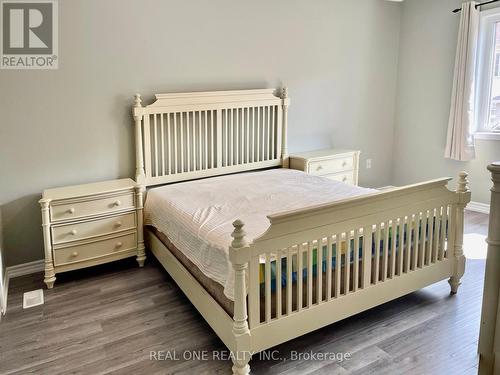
x,y
86,225
338,165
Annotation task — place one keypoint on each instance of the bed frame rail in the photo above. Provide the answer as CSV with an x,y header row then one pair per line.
x,y
395,241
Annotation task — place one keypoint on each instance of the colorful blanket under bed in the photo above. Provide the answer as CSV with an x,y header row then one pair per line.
x,y
334,251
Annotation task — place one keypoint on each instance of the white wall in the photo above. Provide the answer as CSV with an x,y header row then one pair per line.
x,y
73,125
427,54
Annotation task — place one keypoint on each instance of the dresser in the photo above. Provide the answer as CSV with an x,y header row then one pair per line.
x,y
86,225
336,164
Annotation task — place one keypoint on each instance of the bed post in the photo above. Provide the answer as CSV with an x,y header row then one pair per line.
x,y
140,176
141,249
239,257
490,324
464,197
284,147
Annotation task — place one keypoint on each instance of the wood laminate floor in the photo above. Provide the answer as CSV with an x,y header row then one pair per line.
x,y
107,320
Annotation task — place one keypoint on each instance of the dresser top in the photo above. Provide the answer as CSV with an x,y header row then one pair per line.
x,y
88,189
322,153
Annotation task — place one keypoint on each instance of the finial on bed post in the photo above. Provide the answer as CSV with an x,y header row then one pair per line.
x,y
463,182
239,256
140,175
464,197
284,92
137,100
284,132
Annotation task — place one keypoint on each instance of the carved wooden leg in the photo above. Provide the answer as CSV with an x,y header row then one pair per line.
x,y
50,275
141,257
49,280
454,284
241,368
141,250
458,251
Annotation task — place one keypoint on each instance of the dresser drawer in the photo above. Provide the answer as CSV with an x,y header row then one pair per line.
x,y
67,211
96,249
92,228
346,177
329,166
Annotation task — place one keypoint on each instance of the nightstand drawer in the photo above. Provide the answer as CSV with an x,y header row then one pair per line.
x,y
92,228
68,211
345,177
329,166
96,249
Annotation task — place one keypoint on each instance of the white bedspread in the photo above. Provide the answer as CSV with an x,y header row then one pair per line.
x,y
197,216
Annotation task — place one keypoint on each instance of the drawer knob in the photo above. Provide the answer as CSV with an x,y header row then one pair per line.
x,y
344,179
118,224
73,232
118,245
74,254
118,203
71,210
319,167
344,164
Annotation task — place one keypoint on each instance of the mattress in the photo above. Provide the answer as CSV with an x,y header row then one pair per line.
x,y
197,216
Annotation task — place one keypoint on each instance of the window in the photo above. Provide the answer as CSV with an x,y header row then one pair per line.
x,y
488,76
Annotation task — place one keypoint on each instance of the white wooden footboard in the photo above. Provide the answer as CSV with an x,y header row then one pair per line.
x,y
389,244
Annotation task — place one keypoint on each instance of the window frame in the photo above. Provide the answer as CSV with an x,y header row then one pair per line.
x,y
485,71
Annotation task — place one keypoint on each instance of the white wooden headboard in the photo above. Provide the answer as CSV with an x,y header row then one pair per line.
x,y
200,134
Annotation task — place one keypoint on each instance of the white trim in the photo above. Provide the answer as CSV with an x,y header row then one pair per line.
x,y
491,136
478,207
3,304
484,70
25,269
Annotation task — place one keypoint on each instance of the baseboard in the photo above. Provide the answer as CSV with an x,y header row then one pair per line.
x,y
25,269
19,270
478,207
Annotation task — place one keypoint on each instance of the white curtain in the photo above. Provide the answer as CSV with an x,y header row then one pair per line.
x,y
460,141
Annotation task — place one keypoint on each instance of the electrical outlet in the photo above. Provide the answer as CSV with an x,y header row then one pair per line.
x,y
368,163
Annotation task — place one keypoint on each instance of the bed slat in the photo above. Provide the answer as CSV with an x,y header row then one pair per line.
x,y
254,292
289,269
300,279
338,267
408,243
355,265
309,274
278,284
442,232
430,241
329,269
319,271
347,263
268,288
392,270
400,245
377,255
367,255
423,235
385,251
416,237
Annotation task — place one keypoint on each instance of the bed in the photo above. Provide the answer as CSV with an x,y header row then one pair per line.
x,y
266,253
